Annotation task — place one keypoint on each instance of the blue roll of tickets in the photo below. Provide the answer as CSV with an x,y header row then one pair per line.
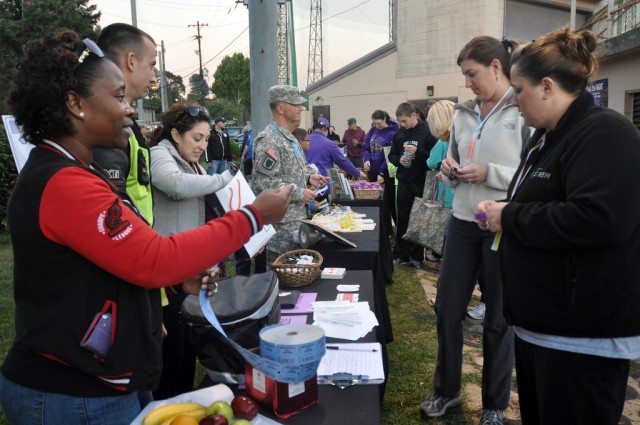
x,y
290,353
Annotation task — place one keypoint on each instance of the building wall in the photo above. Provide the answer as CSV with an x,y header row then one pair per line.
x,y
623,81
429,38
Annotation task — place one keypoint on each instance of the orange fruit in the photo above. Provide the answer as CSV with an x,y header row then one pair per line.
x,y
184,420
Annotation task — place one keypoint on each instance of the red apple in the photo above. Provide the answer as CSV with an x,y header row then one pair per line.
x,y
214,419
244,408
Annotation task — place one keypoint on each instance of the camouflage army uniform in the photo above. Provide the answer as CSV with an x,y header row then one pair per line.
x,y
278,160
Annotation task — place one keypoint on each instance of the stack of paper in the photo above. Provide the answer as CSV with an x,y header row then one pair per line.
x,y
344,319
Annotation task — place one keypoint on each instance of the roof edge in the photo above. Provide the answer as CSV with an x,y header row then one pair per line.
x,y
354,66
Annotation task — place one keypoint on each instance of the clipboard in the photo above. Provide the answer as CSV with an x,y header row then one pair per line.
x,y
352,364
303,233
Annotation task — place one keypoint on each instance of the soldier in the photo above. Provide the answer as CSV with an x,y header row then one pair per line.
x,y
279,160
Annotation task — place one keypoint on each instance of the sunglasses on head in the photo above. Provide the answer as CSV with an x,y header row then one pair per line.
x,y
194,111
91,47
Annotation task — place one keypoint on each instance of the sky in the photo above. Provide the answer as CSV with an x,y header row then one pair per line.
x,y
351,29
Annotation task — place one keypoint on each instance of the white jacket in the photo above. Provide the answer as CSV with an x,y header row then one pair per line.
x,y
499,146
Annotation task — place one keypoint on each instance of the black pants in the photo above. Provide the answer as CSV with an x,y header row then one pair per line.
x,y
388,210
468,249
559,387
259,265
404,249
178,356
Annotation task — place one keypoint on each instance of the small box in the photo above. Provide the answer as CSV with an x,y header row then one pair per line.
x,y
333,273
283,398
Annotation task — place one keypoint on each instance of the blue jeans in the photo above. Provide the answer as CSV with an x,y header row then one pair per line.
x,y
217,167
25,406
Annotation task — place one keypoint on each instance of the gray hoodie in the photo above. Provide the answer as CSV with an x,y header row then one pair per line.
x,y
499,146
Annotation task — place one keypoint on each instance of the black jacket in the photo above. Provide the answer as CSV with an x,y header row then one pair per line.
x,y
421,137
57,300
570,250
218,148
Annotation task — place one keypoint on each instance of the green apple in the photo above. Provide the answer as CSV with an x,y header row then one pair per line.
x,y
222,408
242,422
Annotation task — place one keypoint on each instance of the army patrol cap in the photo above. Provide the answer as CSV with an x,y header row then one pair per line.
x,y
286,94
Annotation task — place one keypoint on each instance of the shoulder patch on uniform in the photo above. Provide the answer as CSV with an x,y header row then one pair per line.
x,y
272,153
268,163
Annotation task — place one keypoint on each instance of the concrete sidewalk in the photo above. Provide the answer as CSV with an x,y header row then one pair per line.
x,y
472,363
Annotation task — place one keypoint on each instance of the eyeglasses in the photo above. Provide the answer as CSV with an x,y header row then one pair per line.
x,y
194,111
91,47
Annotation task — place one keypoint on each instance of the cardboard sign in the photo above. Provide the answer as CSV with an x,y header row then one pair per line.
x,y
234,195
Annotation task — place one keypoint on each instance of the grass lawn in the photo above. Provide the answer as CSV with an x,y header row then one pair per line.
x,y
412,355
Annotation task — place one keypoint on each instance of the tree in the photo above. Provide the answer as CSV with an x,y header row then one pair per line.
x,y
21,21
232,82
199,89
175,86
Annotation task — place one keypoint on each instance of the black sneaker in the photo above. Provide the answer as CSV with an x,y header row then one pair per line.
x,y
435,405
493,417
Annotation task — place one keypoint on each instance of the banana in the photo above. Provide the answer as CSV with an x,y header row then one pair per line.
x,y
197,414
162,414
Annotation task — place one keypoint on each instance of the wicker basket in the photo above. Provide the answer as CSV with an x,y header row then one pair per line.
x,y
297,275
366,193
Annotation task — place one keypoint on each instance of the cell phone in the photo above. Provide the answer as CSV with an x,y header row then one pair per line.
x,y
97,339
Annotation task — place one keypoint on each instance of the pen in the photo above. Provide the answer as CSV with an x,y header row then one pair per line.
x,y
366,350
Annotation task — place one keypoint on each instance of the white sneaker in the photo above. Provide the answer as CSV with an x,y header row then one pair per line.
x,y
478,312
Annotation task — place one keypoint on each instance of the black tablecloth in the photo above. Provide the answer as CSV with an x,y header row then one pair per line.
x,y
373,253
358,404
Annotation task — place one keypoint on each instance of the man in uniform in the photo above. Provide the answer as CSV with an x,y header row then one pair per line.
x,y
134,52
278,159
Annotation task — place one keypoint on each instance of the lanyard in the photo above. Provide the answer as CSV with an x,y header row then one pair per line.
x,y
63,151
296,146
524,172
481,123
526,168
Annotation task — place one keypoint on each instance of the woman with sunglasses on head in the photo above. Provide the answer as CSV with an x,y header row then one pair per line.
x,y
87,268
179,186
570,239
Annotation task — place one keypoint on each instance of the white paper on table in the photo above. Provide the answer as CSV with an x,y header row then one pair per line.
x,y
205,397
366,364
354,331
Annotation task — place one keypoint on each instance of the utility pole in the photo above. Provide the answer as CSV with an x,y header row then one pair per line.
x,y
163,80
199,51
314,72
263,50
